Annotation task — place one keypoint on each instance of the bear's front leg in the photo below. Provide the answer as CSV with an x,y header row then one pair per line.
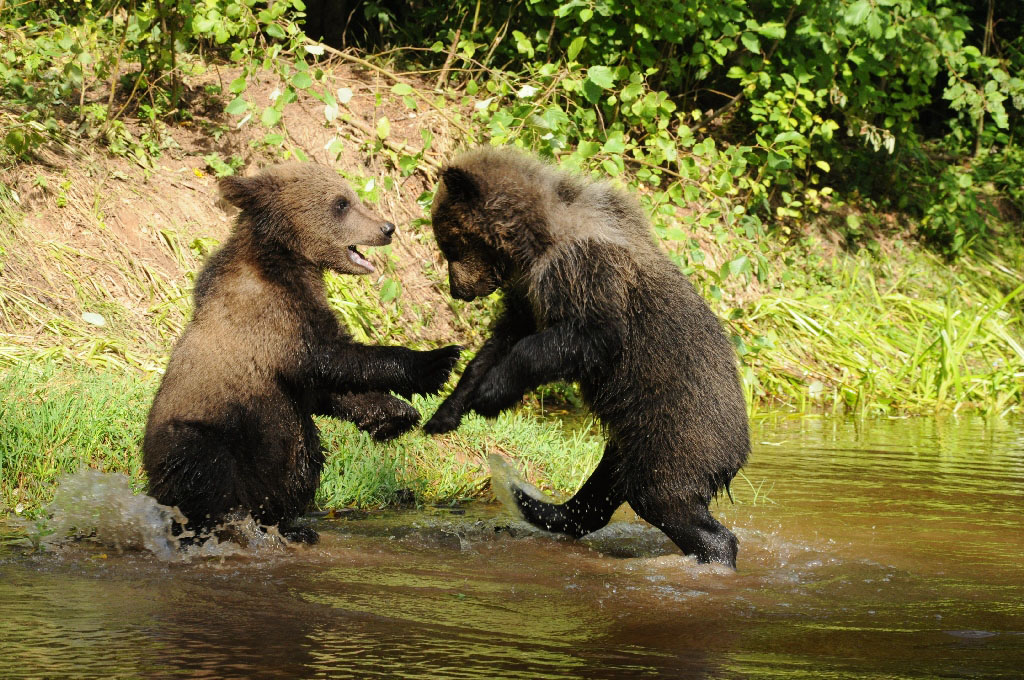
x,y
381,415
449,414
565,351
367,368
515,323
501,389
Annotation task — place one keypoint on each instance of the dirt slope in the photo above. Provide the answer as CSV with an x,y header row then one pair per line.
x,y
89,231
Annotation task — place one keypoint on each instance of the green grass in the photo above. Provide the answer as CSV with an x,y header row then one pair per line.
x,y
55,420
911,333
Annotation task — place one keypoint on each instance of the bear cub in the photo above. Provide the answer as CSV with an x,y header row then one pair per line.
x,y
231,427
590,297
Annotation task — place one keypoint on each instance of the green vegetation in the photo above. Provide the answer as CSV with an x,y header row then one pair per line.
x,y
54,421
870,336
774,109
843,181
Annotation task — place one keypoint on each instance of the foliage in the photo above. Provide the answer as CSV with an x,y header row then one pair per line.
x,y
952,339
806,95
756,108
75,69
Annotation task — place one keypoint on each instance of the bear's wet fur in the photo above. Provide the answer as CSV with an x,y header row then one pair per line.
x,y
590,297
231,427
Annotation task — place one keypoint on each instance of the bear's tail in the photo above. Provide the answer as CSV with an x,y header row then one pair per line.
x,y
587,511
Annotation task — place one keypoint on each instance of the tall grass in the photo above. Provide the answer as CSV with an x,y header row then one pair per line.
x,y
102,307
55,420
912,334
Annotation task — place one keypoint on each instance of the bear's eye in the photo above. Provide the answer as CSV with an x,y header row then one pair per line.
x,y
340,204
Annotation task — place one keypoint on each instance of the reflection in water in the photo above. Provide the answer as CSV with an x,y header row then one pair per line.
x,y
880,549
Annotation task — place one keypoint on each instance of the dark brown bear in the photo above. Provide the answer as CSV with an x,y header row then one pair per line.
x,y
231,428
589,297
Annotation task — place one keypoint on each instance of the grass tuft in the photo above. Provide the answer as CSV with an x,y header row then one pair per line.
x,y
55,420
908,335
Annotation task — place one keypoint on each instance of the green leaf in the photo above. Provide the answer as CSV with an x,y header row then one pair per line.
x,y
16,141
631,92
383,127
274,31
823,165
401,89
602,76
575,46
874,26
772,30
741,265
237,107
237,85
523,44
614,144
789,136
270,116
751,42
588,149
857,12
407,164
301,80
390,290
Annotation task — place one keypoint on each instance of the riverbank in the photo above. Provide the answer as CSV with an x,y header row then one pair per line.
x,y
101,236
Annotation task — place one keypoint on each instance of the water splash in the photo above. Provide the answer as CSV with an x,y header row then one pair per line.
x,y
102,508
505,478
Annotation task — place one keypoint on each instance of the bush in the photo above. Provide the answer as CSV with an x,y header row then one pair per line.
x,y
754,108
806,93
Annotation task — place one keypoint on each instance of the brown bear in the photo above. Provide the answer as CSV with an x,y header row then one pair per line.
x,y
231,427
589,297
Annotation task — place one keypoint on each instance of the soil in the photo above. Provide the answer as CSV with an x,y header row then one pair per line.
x,y
111,222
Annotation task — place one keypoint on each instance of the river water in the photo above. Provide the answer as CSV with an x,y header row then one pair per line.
x,y
879,549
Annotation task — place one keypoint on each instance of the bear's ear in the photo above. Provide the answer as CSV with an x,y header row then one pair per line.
x,y
238,191
460,185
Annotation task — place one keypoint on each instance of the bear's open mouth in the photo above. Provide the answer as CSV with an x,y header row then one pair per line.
x,y
358,259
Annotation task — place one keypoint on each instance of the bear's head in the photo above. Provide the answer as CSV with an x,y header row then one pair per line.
x,y
489,219
308,209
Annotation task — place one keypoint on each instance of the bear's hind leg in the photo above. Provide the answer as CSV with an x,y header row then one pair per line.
x,y
689,524
192,467
587,511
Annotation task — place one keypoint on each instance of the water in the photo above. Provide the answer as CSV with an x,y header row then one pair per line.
x,y
886,550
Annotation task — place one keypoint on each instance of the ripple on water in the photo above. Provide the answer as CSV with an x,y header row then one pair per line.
x,y
872,549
